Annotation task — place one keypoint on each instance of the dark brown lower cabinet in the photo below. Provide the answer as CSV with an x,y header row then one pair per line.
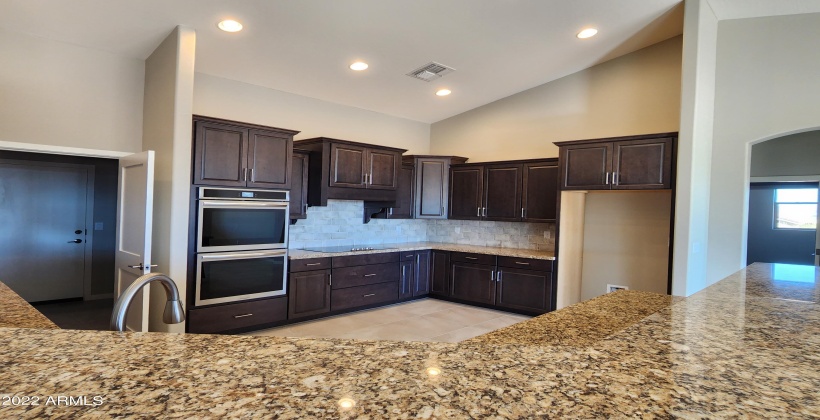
x,y
406,280
308,293
371,294
440,273
526,290
473,282
421,273
242,316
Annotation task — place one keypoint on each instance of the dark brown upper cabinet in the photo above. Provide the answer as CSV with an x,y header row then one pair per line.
x,y
235,154
403,207
346,170
642,162
511,191
432,184
299,185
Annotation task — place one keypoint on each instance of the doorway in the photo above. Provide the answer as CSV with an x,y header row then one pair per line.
x,y
782,222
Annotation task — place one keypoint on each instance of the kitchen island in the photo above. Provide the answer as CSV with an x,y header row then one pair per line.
x,y
746,346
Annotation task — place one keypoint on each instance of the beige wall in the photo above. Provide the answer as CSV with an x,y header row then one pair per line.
x,y
634,94
169,78
766,86
794,155
64,95
224,98
631,249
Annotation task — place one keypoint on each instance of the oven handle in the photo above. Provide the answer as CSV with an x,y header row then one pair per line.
x,y
214,203
242,255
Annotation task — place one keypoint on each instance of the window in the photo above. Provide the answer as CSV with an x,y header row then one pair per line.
x,y
795,208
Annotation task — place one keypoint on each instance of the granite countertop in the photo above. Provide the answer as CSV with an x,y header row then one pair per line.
x,y
296,254
16,312
744,347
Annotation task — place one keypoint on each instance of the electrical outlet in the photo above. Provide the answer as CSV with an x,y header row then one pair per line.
x,y
546,234
458,229
614,288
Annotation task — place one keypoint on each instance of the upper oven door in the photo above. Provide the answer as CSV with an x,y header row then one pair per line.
x,y
228,225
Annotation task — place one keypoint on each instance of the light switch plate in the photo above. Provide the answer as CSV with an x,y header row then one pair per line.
x,y
614,288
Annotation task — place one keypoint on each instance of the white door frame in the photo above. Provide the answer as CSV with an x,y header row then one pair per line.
x,y
89,215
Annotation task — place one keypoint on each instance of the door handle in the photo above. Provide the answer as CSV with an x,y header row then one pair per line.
x,y
76,241
141,266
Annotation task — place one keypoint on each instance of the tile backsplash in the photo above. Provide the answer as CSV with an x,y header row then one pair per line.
x,y
340,223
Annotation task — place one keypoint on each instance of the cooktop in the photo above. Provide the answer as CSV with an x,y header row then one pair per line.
x,y
347,248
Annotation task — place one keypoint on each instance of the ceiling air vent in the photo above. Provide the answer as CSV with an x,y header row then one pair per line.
x,y
431,71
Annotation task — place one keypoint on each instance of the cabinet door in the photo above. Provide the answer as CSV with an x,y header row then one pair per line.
x,y
466,184
431,188
473,282
527,290
642,164
586,167
440,275
406,280
269,159
382,169
347,165
219,154
502,193
299,185
308,293
422,273
404,195
540,192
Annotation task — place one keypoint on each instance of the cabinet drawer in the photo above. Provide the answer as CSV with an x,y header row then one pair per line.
x,y
365,259
353,297
365,274
525,263
407,255
472,258
308,264
237,315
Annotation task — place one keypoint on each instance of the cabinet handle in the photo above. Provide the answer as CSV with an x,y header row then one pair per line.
x,y
305,208
499,276
607,179
368,295
312,264
614,178
478,212
251,171
391,210
522,263
369,275
330,279
242,316
244,174
522,212
471,258
484,211
492,275
409,256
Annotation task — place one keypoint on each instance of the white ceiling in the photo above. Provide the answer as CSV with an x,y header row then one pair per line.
x,y
742,9
498,47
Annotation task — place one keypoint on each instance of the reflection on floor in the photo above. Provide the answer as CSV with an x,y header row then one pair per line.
x,y
79,315
421,320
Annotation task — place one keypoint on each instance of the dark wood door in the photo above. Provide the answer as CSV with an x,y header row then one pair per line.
x,y
526,290
406,280
308,293
440,273
269,159
587,166
642,164
347,165
431,188
466,187
404,193
382,169
220,154
422,273
502,192
473,282
540,192
299,185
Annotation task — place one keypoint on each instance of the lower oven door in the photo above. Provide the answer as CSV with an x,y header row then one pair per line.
x,y
236,276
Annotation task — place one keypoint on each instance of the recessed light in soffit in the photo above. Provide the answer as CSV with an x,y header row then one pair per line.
x,y
229,25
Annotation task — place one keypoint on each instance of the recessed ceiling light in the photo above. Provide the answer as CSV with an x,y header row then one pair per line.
x,y
443,92
229,25
587,33
359,66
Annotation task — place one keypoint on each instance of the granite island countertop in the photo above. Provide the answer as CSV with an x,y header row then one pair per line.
x,y
296,254
745,347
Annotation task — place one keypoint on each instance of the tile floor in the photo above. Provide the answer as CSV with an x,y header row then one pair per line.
x,y
79,315
420,320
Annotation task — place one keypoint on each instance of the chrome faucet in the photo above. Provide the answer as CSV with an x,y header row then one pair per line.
x,y
174,312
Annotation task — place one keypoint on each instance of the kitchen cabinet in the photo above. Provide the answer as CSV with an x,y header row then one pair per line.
x,y
431,185
308,287
364,280
472,277
299,185
512,191
235,154
618,163
237,317
415,274
346,170
406,280
403,208
524,284
439,273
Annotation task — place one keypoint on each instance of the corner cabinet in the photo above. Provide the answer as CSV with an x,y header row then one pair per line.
x,y
644,162
432,184
235,154
512,191
346,170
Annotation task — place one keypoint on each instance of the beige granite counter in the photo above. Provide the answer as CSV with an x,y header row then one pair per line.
x,y
744,347
16,312
296,254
